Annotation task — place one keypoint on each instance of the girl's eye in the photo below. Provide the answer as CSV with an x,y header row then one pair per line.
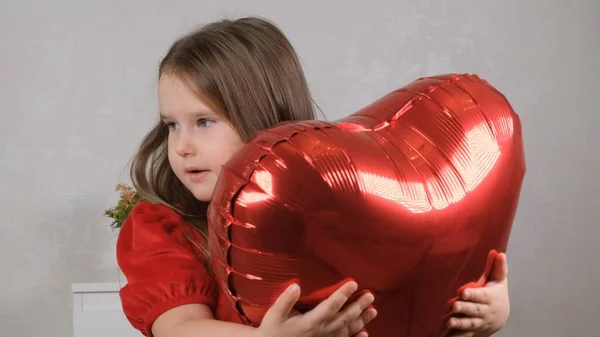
x,y
205,122
172,126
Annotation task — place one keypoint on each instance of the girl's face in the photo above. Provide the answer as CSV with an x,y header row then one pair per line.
x,y
200,141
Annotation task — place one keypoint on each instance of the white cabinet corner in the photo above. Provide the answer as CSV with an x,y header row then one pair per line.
x,y
97,311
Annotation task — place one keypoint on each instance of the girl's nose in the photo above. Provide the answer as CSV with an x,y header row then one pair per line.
x,y
185,146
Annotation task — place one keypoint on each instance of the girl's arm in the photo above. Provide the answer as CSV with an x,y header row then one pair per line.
x,y
196,320
170,293
163,266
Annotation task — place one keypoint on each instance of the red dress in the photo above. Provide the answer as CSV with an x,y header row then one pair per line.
x,y
163,268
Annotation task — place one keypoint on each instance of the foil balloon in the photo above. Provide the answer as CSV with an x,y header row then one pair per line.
x,y
407,196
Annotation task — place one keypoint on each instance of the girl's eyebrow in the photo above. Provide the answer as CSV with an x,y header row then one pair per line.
x,y
198,114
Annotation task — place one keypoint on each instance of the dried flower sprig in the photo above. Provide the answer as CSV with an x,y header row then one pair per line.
x,y
128,197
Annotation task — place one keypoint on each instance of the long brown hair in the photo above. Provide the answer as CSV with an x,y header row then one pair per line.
x,y
246,70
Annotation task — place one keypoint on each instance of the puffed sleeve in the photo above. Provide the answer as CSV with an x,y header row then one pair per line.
x,y
162,266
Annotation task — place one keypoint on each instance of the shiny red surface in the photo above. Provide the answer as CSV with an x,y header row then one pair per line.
x,y
407,196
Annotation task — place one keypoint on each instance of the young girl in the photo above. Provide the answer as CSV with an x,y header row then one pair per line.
x,y
217,87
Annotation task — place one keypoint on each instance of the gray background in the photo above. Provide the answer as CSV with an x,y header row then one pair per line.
x,y
77,92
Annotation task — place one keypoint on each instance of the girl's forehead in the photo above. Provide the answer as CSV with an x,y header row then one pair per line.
x,y
176,98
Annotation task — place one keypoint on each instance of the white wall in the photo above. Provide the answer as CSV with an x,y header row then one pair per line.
x,y
77,94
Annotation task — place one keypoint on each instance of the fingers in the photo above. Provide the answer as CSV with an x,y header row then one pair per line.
x,y
489,267
282,307
327,309
362,334
477,295
500,271
470,309
351,314
358,324
467,323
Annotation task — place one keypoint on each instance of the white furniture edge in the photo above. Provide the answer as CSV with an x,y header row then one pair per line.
x,y
100,287
97,311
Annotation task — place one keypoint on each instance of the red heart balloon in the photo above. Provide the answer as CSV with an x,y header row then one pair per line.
x,y
406,196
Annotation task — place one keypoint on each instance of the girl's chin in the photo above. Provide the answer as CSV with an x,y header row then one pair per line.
x,y
202,197
202,194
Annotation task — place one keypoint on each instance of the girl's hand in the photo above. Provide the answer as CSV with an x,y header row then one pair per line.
x,y
325,320
484,310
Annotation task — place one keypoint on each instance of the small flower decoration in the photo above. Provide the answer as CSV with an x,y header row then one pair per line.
x,y
128,197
